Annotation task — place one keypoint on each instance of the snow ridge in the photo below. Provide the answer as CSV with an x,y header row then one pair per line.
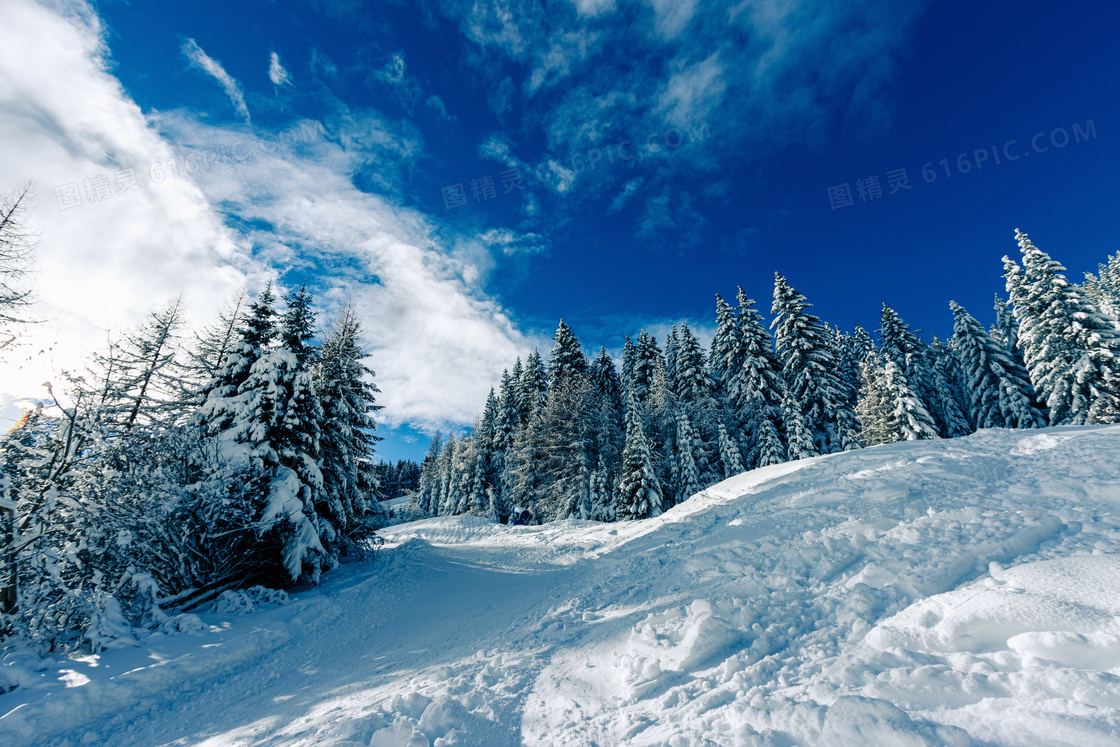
x,y
923,593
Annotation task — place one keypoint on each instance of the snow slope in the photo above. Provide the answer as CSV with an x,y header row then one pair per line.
x,y
950,592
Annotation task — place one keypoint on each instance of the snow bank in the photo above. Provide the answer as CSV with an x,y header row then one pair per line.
x,y
932,593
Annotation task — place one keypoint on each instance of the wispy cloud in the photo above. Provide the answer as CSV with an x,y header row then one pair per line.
x,y
114,242
437,340
276,72
765,75
213,68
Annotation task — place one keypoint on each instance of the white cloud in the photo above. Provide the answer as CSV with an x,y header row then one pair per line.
x,y
693,92
592,8
496,148
437,341
212,67
672,16
103,263
276,72
436,103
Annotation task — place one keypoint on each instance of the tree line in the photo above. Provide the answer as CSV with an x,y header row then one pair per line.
x,y
580,437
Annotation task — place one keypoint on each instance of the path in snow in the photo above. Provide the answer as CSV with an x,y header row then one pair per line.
x,y
951,592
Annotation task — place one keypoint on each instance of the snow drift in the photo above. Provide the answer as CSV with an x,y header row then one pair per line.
x,y
940,592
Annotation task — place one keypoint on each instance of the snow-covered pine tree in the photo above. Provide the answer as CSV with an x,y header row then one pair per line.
x,y
756,388
1071,349
534,384
672,350
428,497
607,385
730,458
272,423
909,353
599,494
522,478
452,477
466,468
874,407
348,398
1103,289
948,386
799,441
688,473
647,364
566,359
809,369
723,358
1000,392
693,384
516,397
1006,329
566,435
862,343
639,492
849,353
909,420
505,426
629,362
896,339
490,458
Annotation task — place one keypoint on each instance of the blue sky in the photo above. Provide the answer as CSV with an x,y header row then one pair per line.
x,y
350,126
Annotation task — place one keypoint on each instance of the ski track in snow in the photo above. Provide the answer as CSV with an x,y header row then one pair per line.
x,y
949,592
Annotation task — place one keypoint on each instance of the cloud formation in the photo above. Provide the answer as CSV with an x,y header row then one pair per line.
x,y
213,68
289,211
276,72
764,75
437,342
118,233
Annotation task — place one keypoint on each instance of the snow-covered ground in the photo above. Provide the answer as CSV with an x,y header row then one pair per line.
x,y
951,592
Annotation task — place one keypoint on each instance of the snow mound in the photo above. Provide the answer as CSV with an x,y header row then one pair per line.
x,y
931,593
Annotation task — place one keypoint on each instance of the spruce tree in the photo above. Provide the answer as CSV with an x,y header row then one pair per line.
x,y
874,407
1000,392
689,474
948,386
534,384
810,371
799,440
693,383
723,360
756,388
672,351
566,359
605,380
909,420
639,493
1071,349
347,395
428,497
730,458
